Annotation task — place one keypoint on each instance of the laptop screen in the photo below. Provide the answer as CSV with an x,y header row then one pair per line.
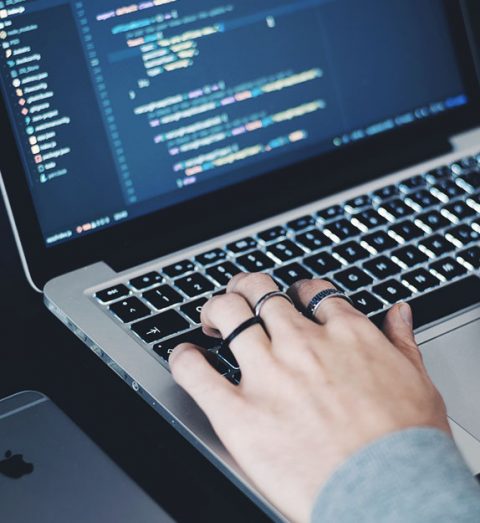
x,y
121,109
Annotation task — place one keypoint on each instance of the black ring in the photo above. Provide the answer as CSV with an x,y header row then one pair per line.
x,y
319,298
242,328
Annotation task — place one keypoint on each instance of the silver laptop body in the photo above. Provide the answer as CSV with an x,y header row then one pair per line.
x,y
102,278
60,474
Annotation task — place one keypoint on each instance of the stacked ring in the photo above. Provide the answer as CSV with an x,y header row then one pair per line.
x,y
263,300
319,298
251,322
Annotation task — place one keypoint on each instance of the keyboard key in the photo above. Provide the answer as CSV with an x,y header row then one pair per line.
x,y
433,220
244,245
421,280
474,201
145,281
129,310
256,261
396,209
392,291
415,182
208,258
160,326
351,252
223,272
386,192
322,263
179,268
459,211
407,230
441,302
194,285
342,229
331,213
476,225
334,284
470,181
380,241
358,203
469,162
446,190
353,279
113,293
439,173
270,235
436,246
163,297
366,302
421,199
462,235
300,224
471,256
382,267
313,240
409,256
194,309
196,337
369,219
466,163
448,268
285,251
292,273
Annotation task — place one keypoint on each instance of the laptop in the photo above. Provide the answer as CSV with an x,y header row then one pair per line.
x,y
151,150
60,475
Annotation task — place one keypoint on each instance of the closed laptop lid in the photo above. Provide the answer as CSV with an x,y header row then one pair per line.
x,y
50,472
133,129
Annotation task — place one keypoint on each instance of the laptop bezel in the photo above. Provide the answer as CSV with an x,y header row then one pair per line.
x,y
145,238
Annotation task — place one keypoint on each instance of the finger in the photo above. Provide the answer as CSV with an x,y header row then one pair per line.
x,y
226,313
398,328
277,312
304,291
211,391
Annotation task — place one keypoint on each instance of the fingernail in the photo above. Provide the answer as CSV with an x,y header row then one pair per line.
x,y
406,314
174,354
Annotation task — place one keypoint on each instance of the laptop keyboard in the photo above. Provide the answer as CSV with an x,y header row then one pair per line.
x,y
416,241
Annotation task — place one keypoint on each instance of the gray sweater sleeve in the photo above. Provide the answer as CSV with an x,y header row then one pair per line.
x,y
413,476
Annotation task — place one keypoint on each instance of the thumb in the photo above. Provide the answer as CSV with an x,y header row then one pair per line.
x,y
398,328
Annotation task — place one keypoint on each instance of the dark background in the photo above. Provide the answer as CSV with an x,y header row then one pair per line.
x,y
38,352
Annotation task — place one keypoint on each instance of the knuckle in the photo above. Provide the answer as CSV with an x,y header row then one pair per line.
x,y
211,303
256,279
311,286
301,286
327,284
236,279
225,301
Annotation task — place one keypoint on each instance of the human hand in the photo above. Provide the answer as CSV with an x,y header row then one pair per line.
x,y
312,393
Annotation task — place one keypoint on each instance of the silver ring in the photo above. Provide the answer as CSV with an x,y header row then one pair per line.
x,y
319,298
261,302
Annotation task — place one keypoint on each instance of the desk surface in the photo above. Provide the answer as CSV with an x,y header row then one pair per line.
x,y
38,352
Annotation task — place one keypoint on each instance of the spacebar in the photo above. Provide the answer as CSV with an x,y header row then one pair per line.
x,y
441,303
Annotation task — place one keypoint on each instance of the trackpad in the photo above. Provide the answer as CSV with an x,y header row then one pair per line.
x,y
453,361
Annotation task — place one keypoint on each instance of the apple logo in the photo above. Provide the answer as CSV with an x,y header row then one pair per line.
x,y
14,466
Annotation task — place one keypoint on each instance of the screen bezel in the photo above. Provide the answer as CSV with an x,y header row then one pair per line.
x,y
142,239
